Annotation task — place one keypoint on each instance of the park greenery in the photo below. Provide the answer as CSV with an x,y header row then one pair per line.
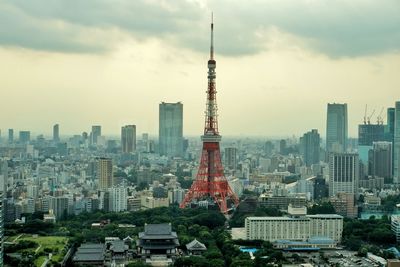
x,y
207,226
33,250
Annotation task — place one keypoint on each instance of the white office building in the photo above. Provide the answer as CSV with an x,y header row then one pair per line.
x,y
343,173
118,198
300,228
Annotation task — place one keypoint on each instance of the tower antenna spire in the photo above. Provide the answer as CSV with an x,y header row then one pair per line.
x,y
212,37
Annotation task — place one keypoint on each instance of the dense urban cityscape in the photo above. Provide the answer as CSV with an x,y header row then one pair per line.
x,y
170,199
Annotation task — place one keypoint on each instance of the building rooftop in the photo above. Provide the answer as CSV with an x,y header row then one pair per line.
x,y
335,216
90,252
158,231
195,245
118,246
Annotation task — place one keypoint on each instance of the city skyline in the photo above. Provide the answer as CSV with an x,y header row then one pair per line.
x,y
88,69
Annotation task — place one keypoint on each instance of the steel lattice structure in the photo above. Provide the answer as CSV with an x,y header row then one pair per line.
x,y
210,181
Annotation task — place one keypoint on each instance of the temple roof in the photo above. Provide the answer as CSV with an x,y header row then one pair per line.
x,y
196,245
158,231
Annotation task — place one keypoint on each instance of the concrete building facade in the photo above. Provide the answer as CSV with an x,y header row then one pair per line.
x,y
343,173
128,138
105,173
294,228
171,129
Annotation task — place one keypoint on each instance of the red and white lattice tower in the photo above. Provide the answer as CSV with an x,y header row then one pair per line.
x,y
210,183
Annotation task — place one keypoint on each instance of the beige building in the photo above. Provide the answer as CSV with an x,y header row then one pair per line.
x,y
344,204
149,202
294,228
105,173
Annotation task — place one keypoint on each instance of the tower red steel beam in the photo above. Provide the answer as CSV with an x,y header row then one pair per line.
x,y
210,182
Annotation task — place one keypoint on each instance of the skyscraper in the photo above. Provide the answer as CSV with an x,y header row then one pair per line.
x,y
367,134
3,175
118,198
389,130
96,132
56,133
336,128
10,136
396,146
128,138
171,129
343,173
230,158
309,147
24,137
380,160
105,173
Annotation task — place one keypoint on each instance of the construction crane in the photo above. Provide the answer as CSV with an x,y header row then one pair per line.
x,y
379,119
370,116
365,114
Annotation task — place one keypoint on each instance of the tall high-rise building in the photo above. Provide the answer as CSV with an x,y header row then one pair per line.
x,y
10,136
282,147
336,128
343,173
56,133
396,146
118,198
24,136
230,158
380,160
367,134
105,173
171,129
3,192
96,132
268,147
1,229
389,130
3,175
310,146
128,138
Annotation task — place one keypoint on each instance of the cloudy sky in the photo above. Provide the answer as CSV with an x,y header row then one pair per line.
x,y
279,62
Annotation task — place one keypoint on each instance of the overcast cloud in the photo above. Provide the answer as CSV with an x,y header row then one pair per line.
x,y
335,28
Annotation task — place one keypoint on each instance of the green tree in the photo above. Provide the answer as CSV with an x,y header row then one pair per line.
x,y
138,264
323,208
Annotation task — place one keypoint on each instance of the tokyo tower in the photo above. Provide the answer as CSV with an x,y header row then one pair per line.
x,y
210,183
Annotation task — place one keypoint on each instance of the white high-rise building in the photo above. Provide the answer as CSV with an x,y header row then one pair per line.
x,y
32,191
343,173
118,198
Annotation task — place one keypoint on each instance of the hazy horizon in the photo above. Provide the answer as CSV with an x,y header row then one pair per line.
x,y
278,64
